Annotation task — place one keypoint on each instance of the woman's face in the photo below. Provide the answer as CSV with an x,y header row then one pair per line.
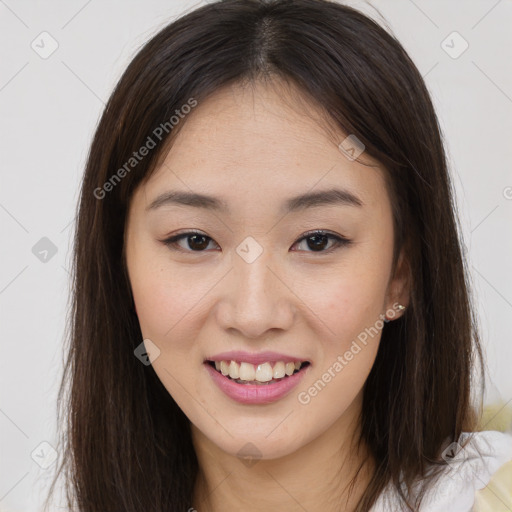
x,y
251,282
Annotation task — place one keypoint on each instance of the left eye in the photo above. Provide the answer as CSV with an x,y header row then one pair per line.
x,y
320,238
317,240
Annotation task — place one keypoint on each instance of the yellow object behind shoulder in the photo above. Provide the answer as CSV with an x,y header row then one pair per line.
x,y
497,495
497,416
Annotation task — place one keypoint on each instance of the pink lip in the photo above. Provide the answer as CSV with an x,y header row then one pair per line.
x,y
254,393
255,358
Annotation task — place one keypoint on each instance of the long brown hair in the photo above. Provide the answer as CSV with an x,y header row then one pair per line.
x,y
127,445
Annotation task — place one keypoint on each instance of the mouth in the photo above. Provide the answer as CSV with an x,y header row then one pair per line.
x,y
264,374
256,384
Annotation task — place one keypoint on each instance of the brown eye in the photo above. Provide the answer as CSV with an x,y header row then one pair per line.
x,y
318,240
196,242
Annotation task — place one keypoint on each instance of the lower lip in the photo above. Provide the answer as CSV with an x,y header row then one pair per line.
x,y
254,393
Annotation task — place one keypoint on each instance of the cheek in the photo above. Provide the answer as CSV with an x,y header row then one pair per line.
x,y
349,300
157,300
169,303
350,307
159,306
166,317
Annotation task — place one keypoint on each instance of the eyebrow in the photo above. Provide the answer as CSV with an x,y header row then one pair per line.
x,y
335,196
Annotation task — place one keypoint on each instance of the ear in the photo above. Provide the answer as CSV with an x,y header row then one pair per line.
x,y
398,288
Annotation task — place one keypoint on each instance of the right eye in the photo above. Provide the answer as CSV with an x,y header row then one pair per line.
x,y
197,241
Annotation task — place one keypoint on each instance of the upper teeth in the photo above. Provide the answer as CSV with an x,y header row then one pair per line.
x,y
262,372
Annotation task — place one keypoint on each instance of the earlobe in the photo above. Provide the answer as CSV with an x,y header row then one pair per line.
x,y
398,294
394,312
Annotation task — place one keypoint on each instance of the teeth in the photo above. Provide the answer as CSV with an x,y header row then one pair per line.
x,y
279,370
262,373
224,367
289,368
247,371
234,370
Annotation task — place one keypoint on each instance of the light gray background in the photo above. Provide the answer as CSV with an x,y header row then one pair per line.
x,y
49,110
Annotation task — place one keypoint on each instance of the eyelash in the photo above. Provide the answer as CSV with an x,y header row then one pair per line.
x,y
172,242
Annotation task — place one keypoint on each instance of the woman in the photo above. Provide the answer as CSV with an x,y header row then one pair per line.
x,y
271,305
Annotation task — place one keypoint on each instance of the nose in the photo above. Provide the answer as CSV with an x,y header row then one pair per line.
x,y
256,298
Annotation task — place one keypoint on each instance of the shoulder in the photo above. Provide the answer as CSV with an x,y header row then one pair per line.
x,y
478,464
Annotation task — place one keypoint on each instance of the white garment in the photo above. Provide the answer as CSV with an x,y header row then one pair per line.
x,y
466,473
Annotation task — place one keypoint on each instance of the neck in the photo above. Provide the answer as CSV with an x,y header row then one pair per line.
x,y
317,477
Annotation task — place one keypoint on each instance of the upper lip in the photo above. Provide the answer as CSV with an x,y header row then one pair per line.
x,y
255,357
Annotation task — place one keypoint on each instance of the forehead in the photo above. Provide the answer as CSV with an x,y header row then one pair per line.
x,y
261,142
